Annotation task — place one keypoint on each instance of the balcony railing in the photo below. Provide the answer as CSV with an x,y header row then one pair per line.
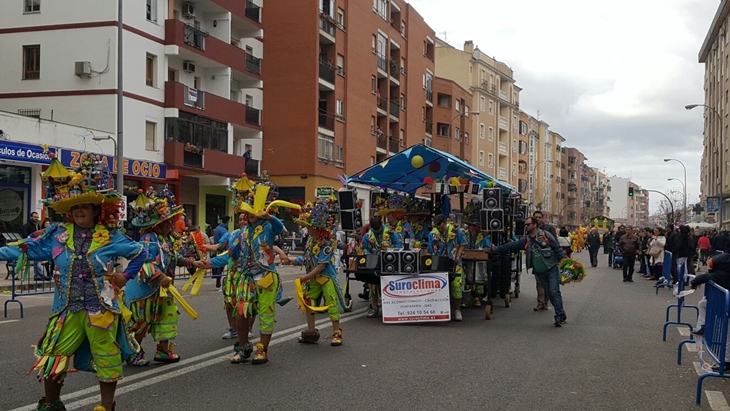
x,y
394,109
253,116
502,173
382,143
503,148
487,87
393,145
382,62
382,103
253,64
194,97
326,120
252,167
193,159
429,95
253,11
326,25
326,72
394,69
503,95
429,128
195,37
503,124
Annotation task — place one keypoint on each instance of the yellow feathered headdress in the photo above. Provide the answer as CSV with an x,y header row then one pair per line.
x,y
260,196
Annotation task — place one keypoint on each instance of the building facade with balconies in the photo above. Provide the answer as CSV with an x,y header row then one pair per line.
x,y
495,97
192,84
355,88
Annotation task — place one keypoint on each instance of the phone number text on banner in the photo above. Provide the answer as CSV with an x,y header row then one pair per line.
x,y
415,298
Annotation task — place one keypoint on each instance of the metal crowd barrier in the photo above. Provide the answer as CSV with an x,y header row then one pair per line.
x,y
23,285
680,303
714,341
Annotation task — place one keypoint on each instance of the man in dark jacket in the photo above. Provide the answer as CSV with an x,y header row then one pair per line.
x,y
544,226
593,242
629,245
719,242
719,273
33,225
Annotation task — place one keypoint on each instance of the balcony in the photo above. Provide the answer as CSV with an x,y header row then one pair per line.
x,y
503,149
485,86
429,97
429,128
394,109
244,11
394,70
382,63
502,174
382,105
253,116
252,167
393,145
326,120
253,12
190,100
209,161
327,29
326,72
208,51
503,123
382,142
503,96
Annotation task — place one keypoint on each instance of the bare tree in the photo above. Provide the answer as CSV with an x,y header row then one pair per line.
x,y
665,209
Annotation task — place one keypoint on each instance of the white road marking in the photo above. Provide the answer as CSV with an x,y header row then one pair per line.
x,y
8,321
698,368
684,332
717,401
175,370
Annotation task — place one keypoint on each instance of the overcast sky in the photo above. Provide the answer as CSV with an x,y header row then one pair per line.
x,y
611,77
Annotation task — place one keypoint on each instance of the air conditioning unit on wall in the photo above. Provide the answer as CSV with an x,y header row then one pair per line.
x,y
82,69
189,10
189,67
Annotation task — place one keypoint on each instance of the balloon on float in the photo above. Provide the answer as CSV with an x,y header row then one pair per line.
x,y
417,161
434,167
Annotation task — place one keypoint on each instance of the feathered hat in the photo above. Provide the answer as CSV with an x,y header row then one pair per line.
x,y
417,206
152,208
90,183
254,197
316,215
392,204
471,213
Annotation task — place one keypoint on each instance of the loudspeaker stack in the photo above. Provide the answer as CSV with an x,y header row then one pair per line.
x,y
350,214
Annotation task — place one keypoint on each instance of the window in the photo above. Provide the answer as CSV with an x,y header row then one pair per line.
x,y
152,10
491,106
523,128
375,42
32,62
341,18
444,100
457,133
490,160
403,65
341,64
466,138
340,110
491,133
456,105
372,125
466,110
514,146
514,122
402,138
481,158
32,6
150,138
150,71
514,169
403,102
373,84
382,8
481,130
482,103
325,147
443,130
340,154
523,149
403,28
171,75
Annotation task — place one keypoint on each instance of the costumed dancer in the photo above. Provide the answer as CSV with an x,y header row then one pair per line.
x,y
152,312
378,238
255,283
321,278
85,319
417,212
476,239
447,240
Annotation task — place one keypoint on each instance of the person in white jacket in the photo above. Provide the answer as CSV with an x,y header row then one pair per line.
x,y
656,252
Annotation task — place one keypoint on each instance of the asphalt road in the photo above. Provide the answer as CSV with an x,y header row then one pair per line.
x,y
609,356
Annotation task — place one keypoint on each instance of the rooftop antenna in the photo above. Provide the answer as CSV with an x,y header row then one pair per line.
x,y
538,114
443,34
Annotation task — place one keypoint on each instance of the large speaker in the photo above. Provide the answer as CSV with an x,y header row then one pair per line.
x,y
351,220
492,198
509,205
492,220
370,262
521,213
389,261
347,199
437,263
375,196
475,189
409,262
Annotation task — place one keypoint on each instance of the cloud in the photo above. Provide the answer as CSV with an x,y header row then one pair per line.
x,y
613,83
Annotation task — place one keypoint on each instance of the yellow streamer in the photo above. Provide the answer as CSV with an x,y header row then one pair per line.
x,y
196,280
302,302
181,302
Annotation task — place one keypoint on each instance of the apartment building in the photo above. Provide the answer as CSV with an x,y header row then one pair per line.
x,y
495,97
714,54
603,193
454,122
523,141
192,86
354,88
626,209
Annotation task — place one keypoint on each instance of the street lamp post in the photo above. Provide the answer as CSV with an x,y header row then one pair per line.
x,y
722,160
683,185
684,188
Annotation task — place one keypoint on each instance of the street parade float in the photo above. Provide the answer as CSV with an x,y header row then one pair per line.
x,y
410,266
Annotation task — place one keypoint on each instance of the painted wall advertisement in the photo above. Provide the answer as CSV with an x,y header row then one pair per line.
x,y
131,167
415,298
713,205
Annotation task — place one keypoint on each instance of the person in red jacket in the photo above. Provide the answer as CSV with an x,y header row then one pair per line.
x,y
704,244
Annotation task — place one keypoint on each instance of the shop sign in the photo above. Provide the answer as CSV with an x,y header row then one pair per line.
x,y
415,298
713,205
11,205
26,153
324,192
131,167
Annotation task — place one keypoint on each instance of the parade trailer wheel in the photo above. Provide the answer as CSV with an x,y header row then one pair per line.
x,y
507,300
517,291
488,312
348,305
